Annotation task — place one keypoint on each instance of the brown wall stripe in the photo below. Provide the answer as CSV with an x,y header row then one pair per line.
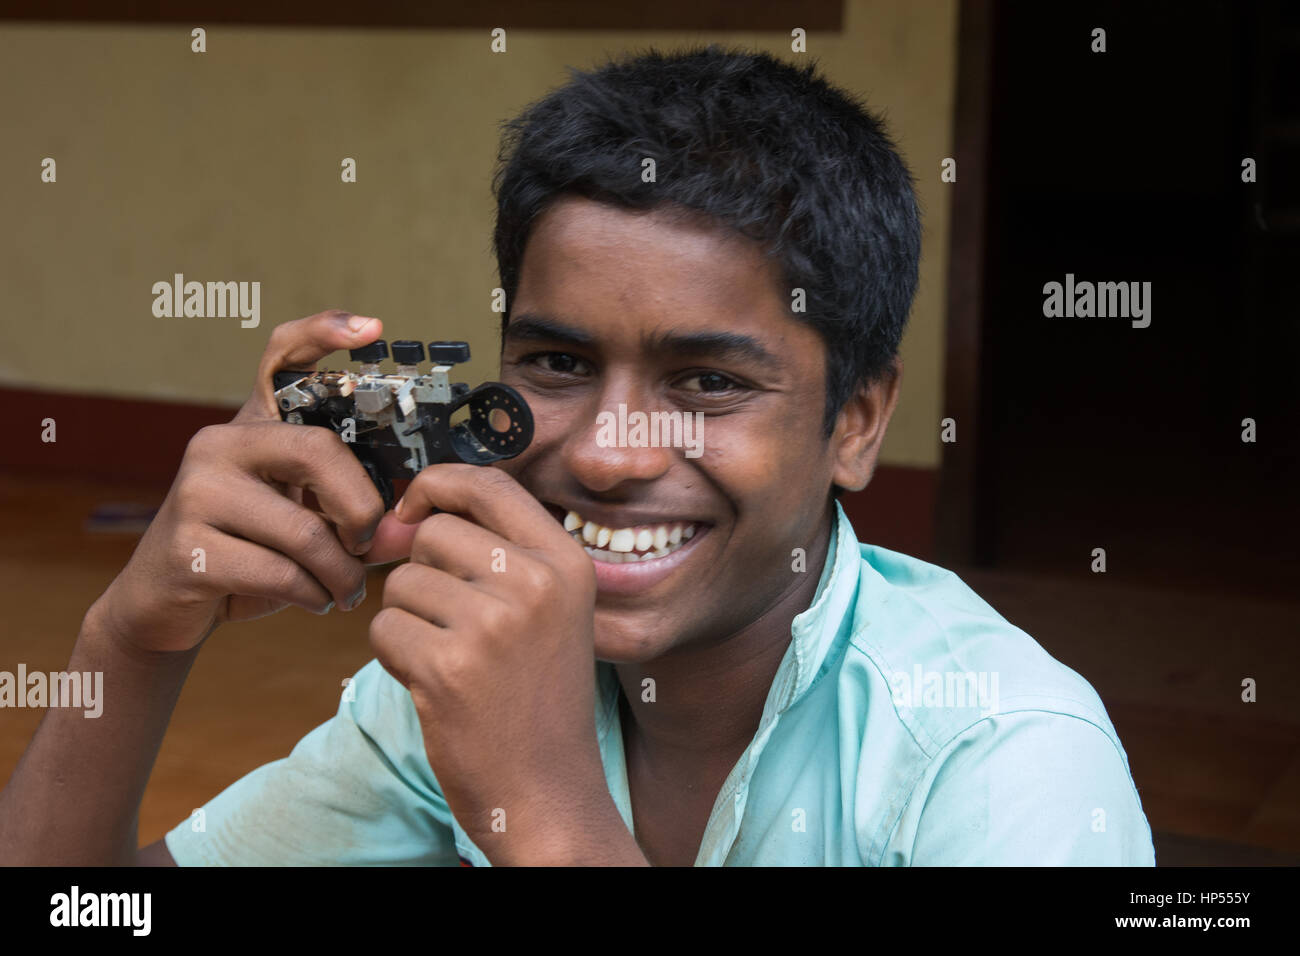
x,y
712,15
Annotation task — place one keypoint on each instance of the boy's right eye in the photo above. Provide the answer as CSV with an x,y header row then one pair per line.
x,y
559,363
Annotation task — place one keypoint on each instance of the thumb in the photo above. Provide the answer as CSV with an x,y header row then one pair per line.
x,y
298,346
392,541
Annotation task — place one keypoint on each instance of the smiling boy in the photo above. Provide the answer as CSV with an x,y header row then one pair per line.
x,y
750,700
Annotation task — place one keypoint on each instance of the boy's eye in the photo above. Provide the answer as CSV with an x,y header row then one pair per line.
x,y
561,363
568,364
709,382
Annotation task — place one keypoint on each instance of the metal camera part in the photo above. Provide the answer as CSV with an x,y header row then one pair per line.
x,y
399,423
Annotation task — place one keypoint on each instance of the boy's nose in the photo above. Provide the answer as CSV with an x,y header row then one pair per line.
x,y
606,450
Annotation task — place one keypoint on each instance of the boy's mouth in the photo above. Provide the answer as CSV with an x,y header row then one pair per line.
x,y
642,542
634,557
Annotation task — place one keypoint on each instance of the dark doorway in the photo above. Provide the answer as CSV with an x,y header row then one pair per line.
x,y
1126,166
1078,433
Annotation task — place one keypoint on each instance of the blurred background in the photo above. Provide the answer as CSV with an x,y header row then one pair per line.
x,y
1071,434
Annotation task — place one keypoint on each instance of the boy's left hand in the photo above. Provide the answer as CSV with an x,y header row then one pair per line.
x,y
490,627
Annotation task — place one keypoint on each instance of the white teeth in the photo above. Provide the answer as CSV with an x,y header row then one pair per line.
x,y
627,544
609,557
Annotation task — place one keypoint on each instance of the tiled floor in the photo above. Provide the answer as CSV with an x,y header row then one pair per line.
x,y
1219,779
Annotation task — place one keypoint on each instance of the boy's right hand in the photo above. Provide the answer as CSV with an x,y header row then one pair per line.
x,y
238,497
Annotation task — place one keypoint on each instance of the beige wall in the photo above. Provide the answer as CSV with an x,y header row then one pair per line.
x,y
225,166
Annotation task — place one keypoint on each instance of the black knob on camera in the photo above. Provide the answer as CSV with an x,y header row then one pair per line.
x,y
407,352
448,353
376,351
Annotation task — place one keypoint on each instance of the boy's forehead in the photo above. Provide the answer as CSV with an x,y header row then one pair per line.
x,y
604,230
604,268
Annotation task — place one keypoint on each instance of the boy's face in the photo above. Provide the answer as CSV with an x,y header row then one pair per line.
x,y
617,308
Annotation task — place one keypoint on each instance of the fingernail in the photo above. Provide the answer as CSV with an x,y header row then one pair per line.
x,y
358,322
328,607
362,546
357,598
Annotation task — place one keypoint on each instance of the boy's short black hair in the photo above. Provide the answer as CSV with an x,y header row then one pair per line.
x,y
767,148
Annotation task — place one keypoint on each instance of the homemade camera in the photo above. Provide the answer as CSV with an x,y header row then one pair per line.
x,y
401,422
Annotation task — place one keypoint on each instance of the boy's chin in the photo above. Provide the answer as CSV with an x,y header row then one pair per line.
x,y
629,649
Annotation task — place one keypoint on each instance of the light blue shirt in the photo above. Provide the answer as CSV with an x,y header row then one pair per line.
x,y
908,724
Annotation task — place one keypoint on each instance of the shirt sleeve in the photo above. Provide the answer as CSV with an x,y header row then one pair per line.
x,y
1029,788
357,790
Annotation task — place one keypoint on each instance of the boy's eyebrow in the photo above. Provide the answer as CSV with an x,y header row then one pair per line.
x,y
722,345
531,327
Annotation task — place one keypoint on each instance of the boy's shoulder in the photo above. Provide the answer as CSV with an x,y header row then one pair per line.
x,y
974,744
946,658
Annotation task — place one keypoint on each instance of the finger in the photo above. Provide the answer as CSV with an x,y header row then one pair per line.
x,y
247,568
301,535
459,547
400,640
430,594
392,541
489,496
317,460
299,345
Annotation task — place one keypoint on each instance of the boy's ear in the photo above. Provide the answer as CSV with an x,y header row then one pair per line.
x,y
860,429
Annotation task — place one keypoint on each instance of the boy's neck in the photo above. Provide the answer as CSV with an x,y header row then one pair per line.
x,y
709,701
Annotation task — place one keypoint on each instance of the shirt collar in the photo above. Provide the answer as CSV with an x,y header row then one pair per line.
x,y
819,628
